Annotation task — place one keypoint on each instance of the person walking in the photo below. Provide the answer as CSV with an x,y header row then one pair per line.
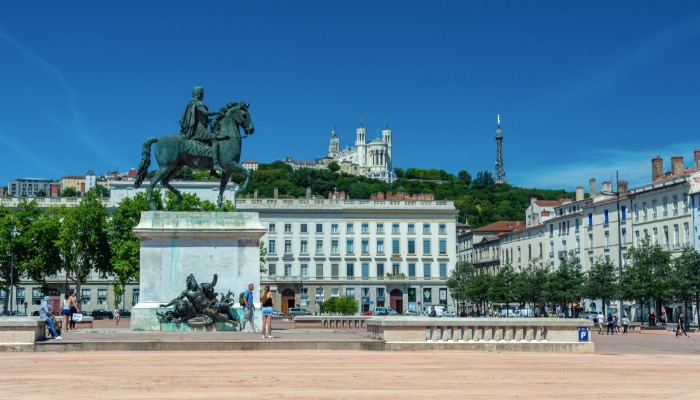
x,y
65,311
45,315
248,309
610,325
625,324
601,320
681,325
73,309
117,314
267,302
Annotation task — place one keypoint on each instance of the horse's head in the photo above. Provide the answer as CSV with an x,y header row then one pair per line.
x,y
240,114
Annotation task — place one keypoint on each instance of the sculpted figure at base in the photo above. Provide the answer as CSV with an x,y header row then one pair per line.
x,y
198,305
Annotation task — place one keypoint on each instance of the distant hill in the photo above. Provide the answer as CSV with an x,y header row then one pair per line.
x,y
479,200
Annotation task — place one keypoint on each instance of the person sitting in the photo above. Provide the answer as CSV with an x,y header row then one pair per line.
x,y
45,315
432,312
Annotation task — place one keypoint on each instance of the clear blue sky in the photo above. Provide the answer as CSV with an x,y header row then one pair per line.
x,y
583,88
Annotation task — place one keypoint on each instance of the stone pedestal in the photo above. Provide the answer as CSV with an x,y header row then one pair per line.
x,y
177,244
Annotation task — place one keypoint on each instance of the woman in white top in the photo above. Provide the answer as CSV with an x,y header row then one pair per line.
x,y
65,311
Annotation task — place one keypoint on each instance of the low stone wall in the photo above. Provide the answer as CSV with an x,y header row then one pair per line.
x,y
516,334
21,330
330,322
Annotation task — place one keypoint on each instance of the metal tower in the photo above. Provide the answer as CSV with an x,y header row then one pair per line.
x,y
500,170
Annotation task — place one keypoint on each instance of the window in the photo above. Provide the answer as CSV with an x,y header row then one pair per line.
x,y
349,247
675,204
287,269
271,246
319,228
685,202
85,295
656,236
607,240
319,271
426,228
426,270
443,270
623,232
380,269
271,269
380,246
365,246
287,246
319,247
334,247
644,210
350,228
287,228
350,292
411,228
3,295
380,228
365,227
304,270
636,238
304,296
350,269
411,246
271,228
335,292
606,217
303,228
686,235
334,228
590,221
36,296
442,229
304,248
101,296
395,268
334,270
394,228
412,270
395,246
623,210
426,246
676,237
636,212
365,270
664,206
653,209
443,246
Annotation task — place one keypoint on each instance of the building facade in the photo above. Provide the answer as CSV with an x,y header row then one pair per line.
x,y
30,187
372,159
384,253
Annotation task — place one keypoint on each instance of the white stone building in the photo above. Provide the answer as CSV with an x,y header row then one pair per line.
x,y
372,159
388,253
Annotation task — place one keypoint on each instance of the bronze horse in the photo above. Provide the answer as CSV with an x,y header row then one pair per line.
x,y
171,154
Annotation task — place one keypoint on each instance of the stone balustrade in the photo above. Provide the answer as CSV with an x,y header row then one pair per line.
x,y
331,322
493,334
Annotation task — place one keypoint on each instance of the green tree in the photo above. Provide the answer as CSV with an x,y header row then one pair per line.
x,y
399,172
186,173
459,279
685,278
83,240
479,288
263,257
565,284
41,193
102,191
334,166
503,285
70,192
531,284
647,276
465,177
601,281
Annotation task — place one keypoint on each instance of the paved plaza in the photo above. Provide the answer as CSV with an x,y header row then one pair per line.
x,y
638,365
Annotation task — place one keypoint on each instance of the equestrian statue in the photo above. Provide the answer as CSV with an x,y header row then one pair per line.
x,y
202,144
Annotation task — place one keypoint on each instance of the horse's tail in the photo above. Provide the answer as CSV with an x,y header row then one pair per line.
x,y
145,161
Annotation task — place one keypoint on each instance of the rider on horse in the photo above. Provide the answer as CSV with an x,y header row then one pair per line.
x,y
193,125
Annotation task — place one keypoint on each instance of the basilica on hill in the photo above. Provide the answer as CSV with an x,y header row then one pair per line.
x,y
371,159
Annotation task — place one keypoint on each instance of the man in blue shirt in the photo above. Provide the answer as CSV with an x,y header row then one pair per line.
x,y
248,309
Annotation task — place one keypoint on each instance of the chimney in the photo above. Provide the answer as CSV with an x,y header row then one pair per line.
x,y
657,168
697,160
677,165
591,183
606,187
579,193
276,193
622,186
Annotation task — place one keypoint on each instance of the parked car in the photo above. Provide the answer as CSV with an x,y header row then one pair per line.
x,y
125,313
411,313
367,313
101,314
384,311
588,315
293,312
449,314
276,313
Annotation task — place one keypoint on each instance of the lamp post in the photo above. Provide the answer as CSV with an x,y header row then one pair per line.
x,y
14,233
619,243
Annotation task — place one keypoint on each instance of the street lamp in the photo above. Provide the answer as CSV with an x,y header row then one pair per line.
x,y
619,242
14,233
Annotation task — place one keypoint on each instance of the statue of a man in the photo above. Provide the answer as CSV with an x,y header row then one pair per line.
x,y
193,125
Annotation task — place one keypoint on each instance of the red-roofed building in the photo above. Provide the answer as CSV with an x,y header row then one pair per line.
x,y
481,246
